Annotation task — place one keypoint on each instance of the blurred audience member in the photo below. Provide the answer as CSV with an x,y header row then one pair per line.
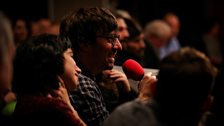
x,y
211,41
22,31
181,94
186,76
173,45
44,70
133,46
7,52
35,29
215,116
125,14
157,34
55,26
44,25
122,26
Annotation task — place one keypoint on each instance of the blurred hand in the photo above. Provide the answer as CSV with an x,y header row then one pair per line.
x,y
61,93
147,87
119,78
9,97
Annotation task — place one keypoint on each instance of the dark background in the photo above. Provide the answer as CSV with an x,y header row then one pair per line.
x,y
192,13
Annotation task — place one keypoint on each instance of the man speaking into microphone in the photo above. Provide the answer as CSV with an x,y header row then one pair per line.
x,y
116,93
128,113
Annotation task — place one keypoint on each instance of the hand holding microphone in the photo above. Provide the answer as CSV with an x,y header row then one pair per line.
x,y
147,83
147,87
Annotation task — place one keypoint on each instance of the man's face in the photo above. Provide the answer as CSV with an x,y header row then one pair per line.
x,y
71,71
104,51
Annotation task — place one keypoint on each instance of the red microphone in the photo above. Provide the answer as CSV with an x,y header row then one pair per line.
x,y
133,70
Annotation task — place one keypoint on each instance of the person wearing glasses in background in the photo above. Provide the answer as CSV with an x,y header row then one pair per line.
x,y
93,34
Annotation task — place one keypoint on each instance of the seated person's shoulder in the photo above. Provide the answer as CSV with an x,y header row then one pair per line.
x,y
85,79
86,86
131,114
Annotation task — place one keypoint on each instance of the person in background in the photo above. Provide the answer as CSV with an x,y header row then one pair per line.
x,y
157,33
22,31
173,45
122,25
214,117
44,25
187,77
133,45
41,26
7,52
180,95
44,69
212,44
55,26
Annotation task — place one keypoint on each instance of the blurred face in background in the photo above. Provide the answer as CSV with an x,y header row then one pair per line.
x,y
20,30
174,24
135,45
122,29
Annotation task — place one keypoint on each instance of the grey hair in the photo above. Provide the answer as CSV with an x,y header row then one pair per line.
x,y
158,29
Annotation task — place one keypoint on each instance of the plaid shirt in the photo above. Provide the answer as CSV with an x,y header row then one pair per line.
x,y
88,100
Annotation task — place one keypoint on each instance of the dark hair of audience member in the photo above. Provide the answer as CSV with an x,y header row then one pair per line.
x,y
34,71
78,31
